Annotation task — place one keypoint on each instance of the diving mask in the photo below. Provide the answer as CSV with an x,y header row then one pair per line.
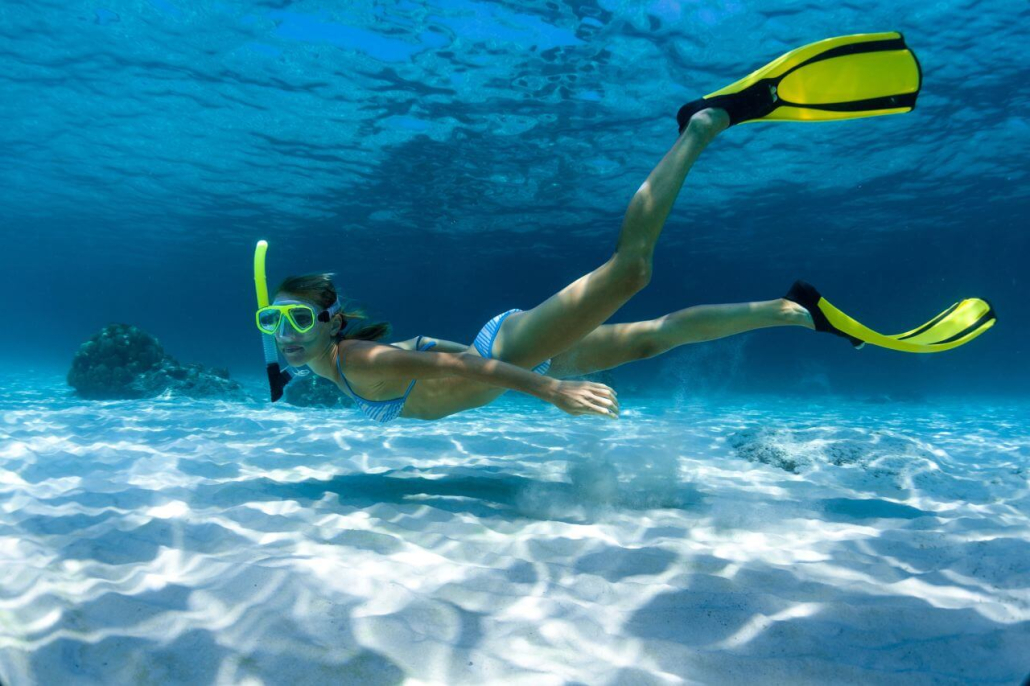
x,y
302,317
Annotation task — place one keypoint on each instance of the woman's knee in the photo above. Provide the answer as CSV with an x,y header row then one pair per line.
x,y
633,272
649,347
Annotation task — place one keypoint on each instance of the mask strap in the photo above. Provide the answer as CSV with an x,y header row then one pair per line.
x,y
333,309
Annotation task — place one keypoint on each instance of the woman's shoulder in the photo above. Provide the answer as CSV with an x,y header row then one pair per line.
x,y
348,346
365,380
362,379
345,343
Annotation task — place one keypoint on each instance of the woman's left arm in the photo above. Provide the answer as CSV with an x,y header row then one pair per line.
x,y
443,346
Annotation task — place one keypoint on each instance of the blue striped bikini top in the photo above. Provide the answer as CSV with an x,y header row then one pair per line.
x,y
381,411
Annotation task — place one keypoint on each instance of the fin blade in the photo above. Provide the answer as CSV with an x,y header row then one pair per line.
x,y
847,77
812,114
952,328
798,56
953,321
852,78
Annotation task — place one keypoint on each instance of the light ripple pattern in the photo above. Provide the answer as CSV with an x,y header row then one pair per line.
x,y
243,117
735,540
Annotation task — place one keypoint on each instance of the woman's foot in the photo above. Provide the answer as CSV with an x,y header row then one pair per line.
x,y
805,295
794,314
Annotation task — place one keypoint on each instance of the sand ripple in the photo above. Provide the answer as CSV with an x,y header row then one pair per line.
x,y
200,542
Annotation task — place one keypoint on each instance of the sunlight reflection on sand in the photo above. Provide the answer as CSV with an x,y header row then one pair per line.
x,y
181,541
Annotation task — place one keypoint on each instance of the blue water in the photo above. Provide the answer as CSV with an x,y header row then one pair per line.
x,y
449,161
420,151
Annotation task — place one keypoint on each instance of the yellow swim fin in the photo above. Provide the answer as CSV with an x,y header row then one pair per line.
x,y
955,326
847,77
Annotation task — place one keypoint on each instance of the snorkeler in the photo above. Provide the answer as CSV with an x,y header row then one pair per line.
x,y
535,351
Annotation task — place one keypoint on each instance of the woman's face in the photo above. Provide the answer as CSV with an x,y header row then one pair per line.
x,y
298,348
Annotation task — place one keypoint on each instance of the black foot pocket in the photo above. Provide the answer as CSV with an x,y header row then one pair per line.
x,y
689,110
805,294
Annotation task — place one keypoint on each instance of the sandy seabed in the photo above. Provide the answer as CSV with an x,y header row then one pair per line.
x,y
722,541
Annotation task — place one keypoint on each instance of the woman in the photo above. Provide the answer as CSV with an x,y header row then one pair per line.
x,y
847,77
561,337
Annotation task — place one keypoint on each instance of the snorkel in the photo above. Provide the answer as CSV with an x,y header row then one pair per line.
x,y
277,379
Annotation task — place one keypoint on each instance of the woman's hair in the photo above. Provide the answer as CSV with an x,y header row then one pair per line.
x,y
319,288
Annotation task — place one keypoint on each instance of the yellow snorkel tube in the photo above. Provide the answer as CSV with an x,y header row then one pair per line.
x,y
277,379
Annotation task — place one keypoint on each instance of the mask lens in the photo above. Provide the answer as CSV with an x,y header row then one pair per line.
x,y
268,320
303,317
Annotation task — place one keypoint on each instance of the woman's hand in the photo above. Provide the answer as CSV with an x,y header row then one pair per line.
x,y
585,397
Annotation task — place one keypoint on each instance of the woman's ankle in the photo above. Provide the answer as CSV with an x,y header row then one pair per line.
x,y
793,314
708,123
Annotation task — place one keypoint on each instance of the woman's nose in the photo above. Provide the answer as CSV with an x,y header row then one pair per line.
x,y
285,331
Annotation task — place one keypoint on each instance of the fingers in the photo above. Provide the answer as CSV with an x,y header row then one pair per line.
x,y
610,400
607,412
595,398
606,407
606,401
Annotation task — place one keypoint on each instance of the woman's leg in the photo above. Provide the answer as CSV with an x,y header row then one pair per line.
x,y
528,338
615,344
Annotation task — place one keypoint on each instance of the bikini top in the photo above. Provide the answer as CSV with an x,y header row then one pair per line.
x,y
382,411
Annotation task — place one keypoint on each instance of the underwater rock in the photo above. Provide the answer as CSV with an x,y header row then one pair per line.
x,y
878,453
793,451
842,452
314,391
123,362
768,446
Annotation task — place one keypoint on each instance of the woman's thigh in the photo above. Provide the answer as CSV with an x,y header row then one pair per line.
x,y
555,325
606,347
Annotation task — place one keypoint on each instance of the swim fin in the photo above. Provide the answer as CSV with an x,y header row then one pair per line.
x,y
955,326
804,294
847,77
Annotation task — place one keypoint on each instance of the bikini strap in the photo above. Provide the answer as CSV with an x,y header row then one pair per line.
x,y
339,368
